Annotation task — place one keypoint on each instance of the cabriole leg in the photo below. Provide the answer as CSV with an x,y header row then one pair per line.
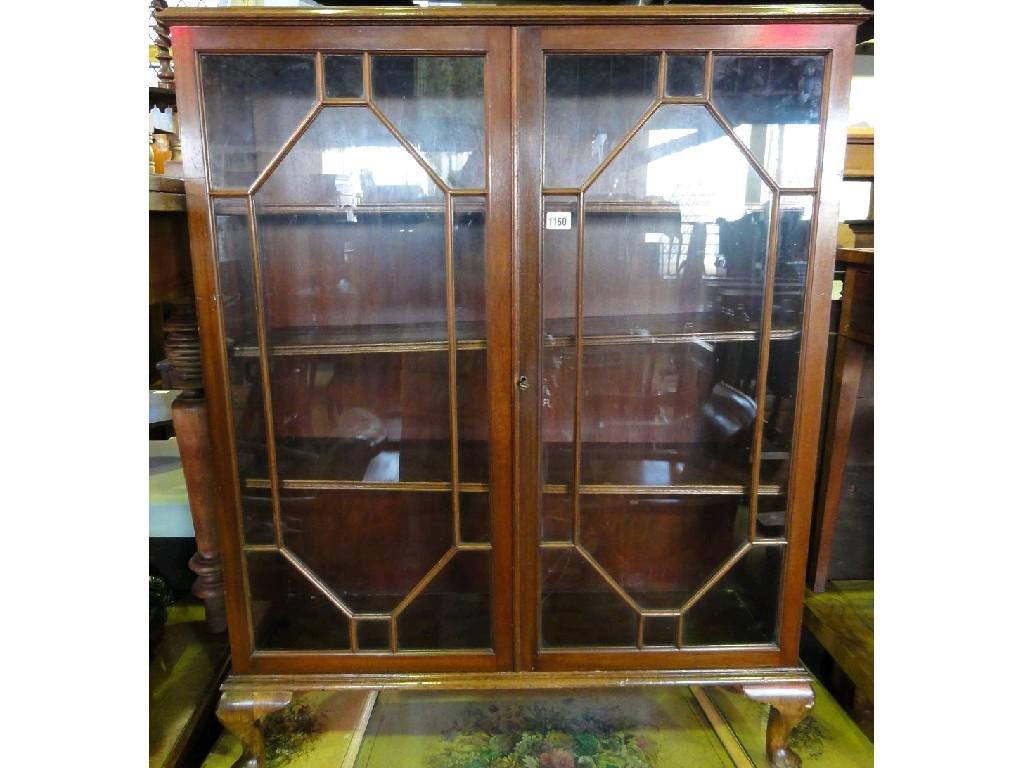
x,y
240,713
790,704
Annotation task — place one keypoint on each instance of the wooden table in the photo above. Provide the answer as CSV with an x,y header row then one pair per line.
x,y
705,727
184,677
854,342
842,618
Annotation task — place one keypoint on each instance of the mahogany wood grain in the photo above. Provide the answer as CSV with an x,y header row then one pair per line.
x,y
521,15
514,93
856,334
790,703
839,73
191,427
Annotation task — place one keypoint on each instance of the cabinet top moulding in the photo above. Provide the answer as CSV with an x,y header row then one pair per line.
x,y
524,14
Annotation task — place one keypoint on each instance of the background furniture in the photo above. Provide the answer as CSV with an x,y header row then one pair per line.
x,y
174,355
514,340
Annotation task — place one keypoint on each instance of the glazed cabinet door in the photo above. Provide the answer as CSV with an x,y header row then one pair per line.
x,y
671,199
355,195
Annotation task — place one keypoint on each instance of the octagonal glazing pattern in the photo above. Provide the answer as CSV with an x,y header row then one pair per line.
x,y
658,330
774,104
367,352
251,105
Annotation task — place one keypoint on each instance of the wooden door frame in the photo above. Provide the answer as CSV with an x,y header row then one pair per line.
x,y
493,42
836,42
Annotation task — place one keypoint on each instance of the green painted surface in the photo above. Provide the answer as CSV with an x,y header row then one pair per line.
x,y
633,728
183,678
664,725
827,738
842,618
314,731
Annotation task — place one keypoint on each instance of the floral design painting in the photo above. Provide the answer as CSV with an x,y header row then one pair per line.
x,y
548,735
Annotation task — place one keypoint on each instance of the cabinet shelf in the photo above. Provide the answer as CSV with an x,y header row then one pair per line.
x,y
682,469
263,483
559,332
231,207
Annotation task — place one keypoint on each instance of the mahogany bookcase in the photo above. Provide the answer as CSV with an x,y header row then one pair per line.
x,y
514,323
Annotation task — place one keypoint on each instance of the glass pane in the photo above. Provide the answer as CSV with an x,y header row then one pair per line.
x,y
591,103
578,607
289,613
345,159
660,631
373,635
669,414
469,243
351,233
788,293
453,611
685,76
343,76
437,104
771,516
743,607
471,385
475,516
662,549
251,105
556,515
774,105
379,418
234,268
257,515
558,399
676,236
369,547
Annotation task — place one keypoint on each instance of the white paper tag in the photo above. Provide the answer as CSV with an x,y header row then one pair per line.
x,y
558,220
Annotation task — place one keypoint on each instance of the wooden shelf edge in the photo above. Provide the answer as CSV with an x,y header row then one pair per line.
x,y
524,14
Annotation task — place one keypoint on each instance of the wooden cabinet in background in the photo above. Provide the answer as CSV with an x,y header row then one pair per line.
x,y
514,325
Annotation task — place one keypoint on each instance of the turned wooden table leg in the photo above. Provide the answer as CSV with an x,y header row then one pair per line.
x,y
240,713
192,430
790,703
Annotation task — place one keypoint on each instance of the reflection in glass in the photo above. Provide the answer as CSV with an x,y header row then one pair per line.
x,y
369,547
381,418
475,516
251,105
288,612
788,294
558,363
348,158
616,531
351,233
343,77
774,105
743,607
591,102
685,76
469,244
578,607
470,248
436,102
237,306
453,611
676,236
